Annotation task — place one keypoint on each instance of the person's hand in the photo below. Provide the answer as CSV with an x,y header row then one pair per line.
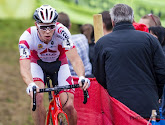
x,y
86,84
29,89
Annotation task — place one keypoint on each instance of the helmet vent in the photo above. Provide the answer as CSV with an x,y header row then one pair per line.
x,y
42,14
51,14
37,18
46,13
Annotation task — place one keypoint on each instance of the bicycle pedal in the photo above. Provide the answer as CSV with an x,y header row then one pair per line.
x,y
62,120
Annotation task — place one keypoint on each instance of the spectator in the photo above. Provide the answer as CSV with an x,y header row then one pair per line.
x,y
159,33
150,20
81,44
130,63
88,31
107,24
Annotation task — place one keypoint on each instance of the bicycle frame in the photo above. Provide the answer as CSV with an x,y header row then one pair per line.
x,y
55,108
55,104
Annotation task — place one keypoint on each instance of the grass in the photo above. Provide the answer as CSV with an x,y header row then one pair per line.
x,y
10,32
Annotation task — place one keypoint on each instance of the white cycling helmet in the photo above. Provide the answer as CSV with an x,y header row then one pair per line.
x,y
45,14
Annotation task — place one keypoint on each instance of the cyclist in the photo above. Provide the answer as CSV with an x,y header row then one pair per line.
x,y
48,43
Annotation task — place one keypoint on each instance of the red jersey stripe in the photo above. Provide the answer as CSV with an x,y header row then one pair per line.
x,y
25,43
29,30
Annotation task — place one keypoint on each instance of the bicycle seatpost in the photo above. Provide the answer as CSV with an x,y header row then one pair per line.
x,y
86,95
34,98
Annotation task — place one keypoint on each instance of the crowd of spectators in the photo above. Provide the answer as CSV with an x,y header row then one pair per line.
x,y
128,60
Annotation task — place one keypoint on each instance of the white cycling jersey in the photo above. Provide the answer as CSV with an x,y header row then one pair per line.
x,y
31,47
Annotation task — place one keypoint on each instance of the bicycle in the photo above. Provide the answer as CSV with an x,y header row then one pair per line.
x,y
55,114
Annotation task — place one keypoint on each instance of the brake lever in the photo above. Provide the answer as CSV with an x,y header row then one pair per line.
x,y
34,98
86,95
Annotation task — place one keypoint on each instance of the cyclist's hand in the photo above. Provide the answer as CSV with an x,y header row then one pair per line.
x,y
86,84
29,89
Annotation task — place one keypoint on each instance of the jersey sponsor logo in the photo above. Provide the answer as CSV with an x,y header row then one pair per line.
x,y
63,33
60,37
40,46
67,44
52,42
60,29
49,55
52,46
21,46
48,50
50,58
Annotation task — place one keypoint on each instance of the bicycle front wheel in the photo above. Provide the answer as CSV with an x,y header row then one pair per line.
x,y
62,119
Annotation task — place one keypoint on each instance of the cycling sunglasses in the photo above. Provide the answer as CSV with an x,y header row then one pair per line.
x,y
46,27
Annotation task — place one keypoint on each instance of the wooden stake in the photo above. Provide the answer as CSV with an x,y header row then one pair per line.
x,y
98,26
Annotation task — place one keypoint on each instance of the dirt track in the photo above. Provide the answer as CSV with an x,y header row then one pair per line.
x,y
14,102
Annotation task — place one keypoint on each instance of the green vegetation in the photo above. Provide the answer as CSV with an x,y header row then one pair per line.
x,y
10,32
17,8
83,11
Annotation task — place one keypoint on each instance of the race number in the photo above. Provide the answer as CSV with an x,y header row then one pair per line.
x,y
67,44
24,52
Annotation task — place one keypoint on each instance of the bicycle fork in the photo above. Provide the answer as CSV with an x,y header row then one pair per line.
x,y
56,113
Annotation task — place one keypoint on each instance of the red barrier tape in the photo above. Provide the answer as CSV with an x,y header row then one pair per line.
x,y
102,109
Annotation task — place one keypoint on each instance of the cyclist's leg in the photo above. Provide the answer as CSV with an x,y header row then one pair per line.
x,y
64,78
69,107
39,115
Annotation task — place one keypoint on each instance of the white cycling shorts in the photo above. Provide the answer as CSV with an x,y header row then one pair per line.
x,y
64,75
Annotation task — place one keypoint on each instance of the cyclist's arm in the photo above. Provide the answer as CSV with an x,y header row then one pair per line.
x,y
76,62
25,61
25,71
78,67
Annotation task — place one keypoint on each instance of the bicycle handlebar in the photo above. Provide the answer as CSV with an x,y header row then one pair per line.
x,y
57,88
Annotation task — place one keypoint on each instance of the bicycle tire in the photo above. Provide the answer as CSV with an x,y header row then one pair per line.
x,y
62,120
